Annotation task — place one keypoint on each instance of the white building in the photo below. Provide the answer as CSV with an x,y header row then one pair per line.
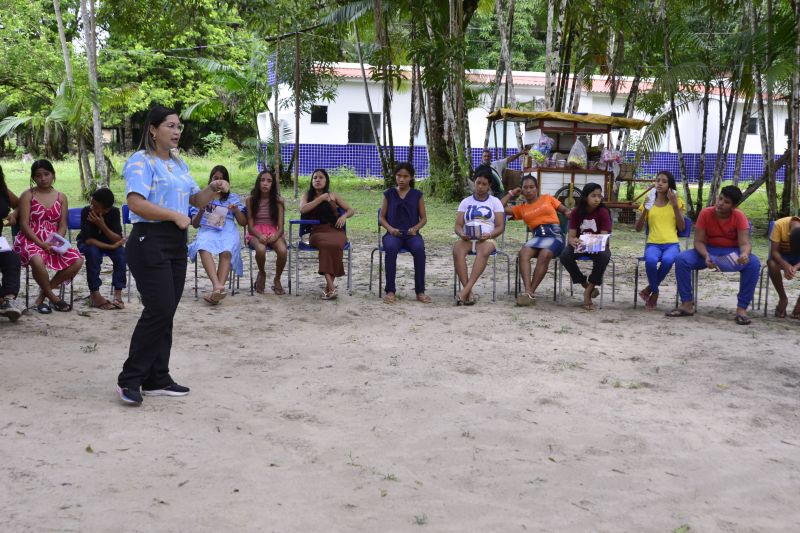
x,y
345,120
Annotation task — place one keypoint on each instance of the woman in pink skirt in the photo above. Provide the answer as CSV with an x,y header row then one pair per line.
x,y
42,218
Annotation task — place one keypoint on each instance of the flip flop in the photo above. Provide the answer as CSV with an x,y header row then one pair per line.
x,y
277,290
743,320
118,303
61,306
105,306
261,280
209,297
459,301
472,300
678,312
651,304
43,308
389,298
780,311
423,298
525,299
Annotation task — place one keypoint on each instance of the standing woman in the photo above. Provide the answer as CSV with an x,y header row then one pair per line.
x,y
403,215
328,237
42,213
159,190
663,214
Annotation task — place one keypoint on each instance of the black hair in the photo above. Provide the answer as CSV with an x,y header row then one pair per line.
x,y
408,167
484,171
43,164
670,179
311,193
157,115
225,176
3,186
104,197
794,241
274,195
588,189
732,193
530,177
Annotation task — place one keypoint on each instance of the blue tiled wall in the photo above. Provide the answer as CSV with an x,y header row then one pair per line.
x,y
364,160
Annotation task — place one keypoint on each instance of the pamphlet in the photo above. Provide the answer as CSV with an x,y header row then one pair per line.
x,y
727,262
474,232
58,243
4,246
592,244
214,217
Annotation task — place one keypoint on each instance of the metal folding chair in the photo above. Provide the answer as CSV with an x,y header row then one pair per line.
x,y
303,228
686,234
380,251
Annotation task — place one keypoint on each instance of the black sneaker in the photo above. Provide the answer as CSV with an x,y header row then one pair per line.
x,y
171,390
130,395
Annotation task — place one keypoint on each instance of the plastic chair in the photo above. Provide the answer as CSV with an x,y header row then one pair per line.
x,y
696,280
304,228
380,251
763,278
686,233
588,257
497,251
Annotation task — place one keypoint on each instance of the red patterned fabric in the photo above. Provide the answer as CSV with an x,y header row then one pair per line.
x,y
43,222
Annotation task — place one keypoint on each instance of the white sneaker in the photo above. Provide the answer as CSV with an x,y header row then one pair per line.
x,y
11,308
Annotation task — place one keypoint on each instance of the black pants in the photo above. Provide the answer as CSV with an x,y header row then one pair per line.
x,y
599,263
10,269
156,255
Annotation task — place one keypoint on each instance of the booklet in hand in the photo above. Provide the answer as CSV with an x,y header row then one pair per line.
x,y
58,243
727,262
592,244
473,232
214,217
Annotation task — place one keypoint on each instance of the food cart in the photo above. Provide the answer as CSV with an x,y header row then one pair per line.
x,y
555,176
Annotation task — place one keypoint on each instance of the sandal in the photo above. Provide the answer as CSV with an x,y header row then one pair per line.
x,y
651,302
105,306
118,303
472,300
43,308
209,297
590,307
277,290
61,306
743,320
679,312
261,280
525,299
389,298
423,298
644,294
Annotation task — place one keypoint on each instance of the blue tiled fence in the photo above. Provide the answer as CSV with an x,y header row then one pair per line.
x,y
364,160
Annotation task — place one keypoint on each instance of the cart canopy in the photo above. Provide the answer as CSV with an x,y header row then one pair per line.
x,y
514,115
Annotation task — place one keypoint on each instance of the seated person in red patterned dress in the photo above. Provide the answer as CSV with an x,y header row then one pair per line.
x,y
42,219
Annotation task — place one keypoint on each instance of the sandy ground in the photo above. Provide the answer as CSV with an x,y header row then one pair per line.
x,y
357,416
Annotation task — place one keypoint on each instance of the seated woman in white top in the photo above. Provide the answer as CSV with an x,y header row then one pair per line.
x,y
480,219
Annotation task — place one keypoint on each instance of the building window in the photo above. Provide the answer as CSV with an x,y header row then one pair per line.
x,y
359,129
319,114
752,126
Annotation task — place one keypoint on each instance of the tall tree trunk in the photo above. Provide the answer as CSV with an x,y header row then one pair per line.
x,y
726,131
88,180
505,20
385,66
491,126
762,124
456,86
577,89
555,51
630,105
414,118
794,141
63,39
276,123
747,109
701,167
376,137
88,15
674,115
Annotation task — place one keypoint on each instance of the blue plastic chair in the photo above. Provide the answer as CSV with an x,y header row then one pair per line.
x,y
380,251
233,287
304,228
685,234
763,281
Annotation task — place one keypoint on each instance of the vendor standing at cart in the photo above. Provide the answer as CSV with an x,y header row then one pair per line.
x,y
494,169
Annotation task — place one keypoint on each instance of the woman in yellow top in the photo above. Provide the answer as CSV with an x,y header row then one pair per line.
x,y
663,214
540,214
